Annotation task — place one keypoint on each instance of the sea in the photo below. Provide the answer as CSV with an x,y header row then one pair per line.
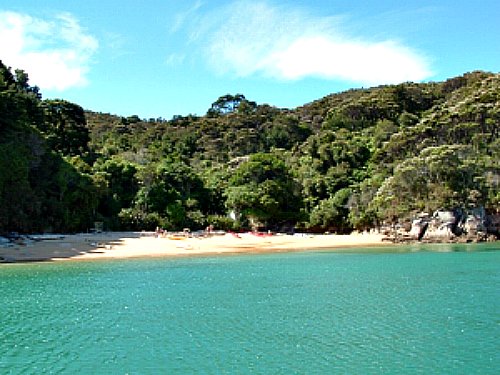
x,y
417,309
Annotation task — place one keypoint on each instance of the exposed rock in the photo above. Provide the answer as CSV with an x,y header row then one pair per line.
x,y
5,242
443,225
438,230
419,227
450,226
474,222
493,224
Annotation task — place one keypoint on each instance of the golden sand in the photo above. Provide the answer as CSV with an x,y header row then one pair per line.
x,y
120,245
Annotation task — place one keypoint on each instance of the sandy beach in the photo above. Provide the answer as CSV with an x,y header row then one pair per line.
x,y
121,245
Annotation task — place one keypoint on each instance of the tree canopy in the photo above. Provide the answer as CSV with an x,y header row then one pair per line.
x,y
347,161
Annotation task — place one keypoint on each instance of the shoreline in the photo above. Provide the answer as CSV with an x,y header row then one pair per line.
x,y
129,245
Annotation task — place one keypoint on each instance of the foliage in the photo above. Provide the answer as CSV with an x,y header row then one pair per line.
x,y
39,189
347,161
444,176
261,189
65,127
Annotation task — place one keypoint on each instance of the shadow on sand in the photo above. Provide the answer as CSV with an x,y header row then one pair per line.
x,y
44,248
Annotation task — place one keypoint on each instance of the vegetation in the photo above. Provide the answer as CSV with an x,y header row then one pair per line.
x,y
347,161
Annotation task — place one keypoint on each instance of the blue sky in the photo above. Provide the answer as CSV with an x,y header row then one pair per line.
x,y
160,58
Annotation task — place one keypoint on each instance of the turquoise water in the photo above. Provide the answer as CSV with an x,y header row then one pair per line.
x,y
413,311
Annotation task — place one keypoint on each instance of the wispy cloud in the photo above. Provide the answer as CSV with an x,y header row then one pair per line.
x,y
182,17
175,59
115,45
248,38
56,53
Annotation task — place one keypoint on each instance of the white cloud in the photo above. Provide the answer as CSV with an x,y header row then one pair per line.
x,y
368,63
248,38
55,53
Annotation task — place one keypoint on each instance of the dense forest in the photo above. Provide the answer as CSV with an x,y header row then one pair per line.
x,y
352,160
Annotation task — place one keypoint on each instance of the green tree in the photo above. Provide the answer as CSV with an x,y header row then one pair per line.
x,y
332,214
445,176
65,127
283,132
119,186
175,192
263,190
230,103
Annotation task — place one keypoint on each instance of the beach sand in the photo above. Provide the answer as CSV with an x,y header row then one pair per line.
x,y
121,245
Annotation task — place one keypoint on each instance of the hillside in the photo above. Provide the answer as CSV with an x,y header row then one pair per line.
x,y
351,160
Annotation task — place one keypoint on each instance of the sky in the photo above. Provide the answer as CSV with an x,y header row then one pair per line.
x,y
162,58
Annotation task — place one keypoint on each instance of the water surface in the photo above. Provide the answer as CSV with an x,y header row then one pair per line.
x,y
409,310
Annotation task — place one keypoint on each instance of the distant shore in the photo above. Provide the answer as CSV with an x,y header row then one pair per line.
x,y
123,245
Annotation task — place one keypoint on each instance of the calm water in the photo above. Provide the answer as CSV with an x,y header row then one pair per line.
x,y
405,312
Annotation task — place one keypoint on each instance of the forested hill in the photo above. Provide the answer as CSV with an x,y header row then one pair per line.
x,y
351,160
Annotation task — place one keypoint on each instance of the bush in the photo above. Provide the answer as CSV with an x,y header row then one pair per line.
x,y
223,223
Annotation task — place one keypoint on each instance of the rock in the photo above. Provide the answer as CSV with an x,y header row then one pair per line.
x,y
474,222
418,228
492,224
443,225
5,242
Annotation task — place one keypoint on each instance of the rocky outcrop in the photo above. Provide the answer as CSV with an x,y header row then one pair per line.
x,y
456,225
419,227
444,225
493,223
